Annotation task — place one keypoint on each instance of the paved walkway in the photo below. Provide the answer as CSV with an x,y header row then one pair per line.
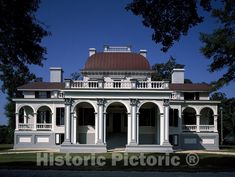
x,y
206,152
28,151
55,173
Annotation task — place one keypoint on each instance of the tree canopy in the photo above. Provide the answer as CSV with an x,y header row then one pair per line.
x,y
20,46
162,71
170,19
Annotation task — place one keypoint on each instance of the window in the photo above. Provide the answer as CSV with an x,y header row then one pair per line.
x,y
59,116
191,95
173,117
42,94
59,138
86,116
147,117
188,96
43,117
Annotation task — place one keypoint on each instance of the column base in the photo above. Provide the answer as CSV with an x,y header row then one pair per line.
x,y
132,143
100,142
66,142
83,148
166,143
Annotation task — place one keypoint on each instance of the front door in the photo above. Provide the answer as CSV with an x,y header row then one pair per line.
x,y
116,122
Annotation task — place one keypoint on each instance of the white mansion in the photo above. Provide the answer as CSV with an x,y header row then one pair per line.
x,y
116,105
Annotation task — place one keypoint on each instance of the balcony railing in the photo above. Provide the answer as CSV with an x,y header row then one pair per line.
x,y
202,128
190,128
206,128
39,126
25,126
118,85
44,126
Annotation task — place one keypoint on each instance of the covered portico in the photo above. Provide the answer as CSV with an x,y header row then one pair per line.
x,y
102,109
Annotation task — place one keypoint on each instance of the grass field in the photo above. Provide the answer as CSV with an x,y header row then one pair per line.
x,y
28,160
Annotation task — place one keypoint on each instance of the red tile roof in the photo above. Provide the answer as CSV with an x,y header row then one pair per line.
x,y
190,87
42,86
117,61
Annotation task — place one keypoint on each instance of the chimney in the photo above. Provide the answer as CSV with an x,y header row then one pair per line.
x,y
92,51
143,52
177,76
56,74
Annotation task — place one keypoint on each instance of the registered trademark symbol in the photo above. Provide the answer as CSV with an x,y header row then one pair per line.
x,y
192,159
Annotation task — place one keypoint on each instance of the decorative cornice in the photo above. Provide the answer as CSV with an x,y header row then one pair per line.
x,y
100,101
68,101
166,102
134,102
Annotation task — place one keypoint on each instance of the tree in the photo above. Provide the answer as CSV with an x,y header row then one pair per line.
x,y
162,71
228,107
170,19
76,76
219,46
20,38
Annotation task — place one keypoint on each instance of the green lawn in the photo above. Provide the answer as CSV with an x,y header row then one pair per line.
x,y
207,162
4,147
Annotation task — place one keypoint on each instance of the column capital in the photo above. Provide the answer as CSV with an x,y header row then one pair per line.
x,y
166,102
134,102
100,101
68,101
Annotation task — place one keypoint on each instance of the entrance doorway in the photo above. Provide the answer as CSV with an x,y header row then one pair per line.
x,y
116,126
117,122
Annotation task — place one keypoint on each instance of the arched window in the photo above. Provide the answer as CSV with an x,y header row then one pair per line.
x,y
189,116
207,116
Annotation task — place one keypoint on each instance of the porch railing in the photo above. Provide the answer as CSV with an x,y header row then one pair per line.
x,y
25,126
202,128
206,128
44,126
189,128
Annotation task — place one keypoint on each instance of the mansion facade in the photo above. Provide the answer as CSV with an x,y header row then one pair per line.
x,y
116,105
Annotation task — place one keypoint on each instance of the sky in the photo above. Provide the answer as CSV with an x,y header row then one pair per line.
x,y
77,25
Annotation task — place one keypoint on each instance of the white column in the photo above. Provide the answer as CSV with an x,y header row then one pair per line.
x,y
198,122
133,103
215,123
17,121
128,128
100,103
72,128
105,128
137,127
166,122
25,117
162,128
53,120
67,121
180,121
35,121
96,127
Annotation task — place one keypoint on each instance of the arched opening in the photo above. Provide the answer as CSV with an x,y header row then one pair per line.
x,y
85,124
149,124
26,117
116,125
207,116
189,116
44,117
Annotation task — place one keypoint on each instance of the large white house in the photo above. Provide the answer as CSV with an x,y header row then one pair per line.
x,y
116,105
